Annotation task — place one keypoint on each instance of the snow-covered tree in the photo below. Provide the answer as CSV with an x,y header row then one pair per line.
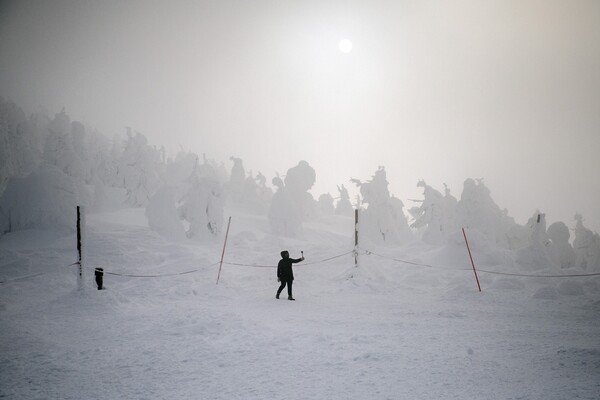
x,y
236,182
383,221
477,210
450,203
430,216
46,198
247,193
140,168
298,181
265,193
292,204
559,234
326,204
59,151
257,195
284,216
202,205
539,253
163,216
344,207
587,247
21,142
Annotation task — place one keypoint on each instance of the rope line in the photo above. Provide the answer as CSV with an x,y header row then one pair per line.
x,y
328,259
301,265
33,275
365,252
538,276
368,252
23,277
158,275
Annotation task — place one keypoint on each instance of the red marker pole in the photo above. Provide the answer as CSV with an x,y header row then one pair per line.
x,y
223,253
471,257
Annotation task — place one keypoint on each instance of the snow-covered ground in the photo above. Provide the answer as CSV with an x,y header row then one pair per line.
x,y
382,330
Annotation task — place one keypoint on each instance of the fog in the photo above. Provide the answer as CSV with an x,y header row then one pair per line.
x,y
508,91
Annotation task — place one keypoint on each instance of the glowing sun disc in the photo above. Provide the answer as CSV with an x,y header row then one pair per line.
x,y
345,46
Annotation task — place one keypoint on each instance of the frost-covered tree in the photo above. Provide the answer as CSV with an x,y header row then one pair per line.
x,y
298,181
265,193
247,193
284,216
140,168
344,207
326,204
191,204
587,247
477,210
539,253
46,198
292,204
163,216
559,234
202,204
236,182
257,195
59,151
179,169
450,203
383,221
79,140
21,142
430,217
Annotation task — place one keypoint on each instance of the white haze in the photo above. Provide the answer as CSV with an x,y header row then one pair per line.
x,y
508,91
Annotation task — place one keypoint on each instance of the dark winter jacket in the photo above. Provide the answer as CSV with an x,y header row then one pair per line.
x,y
284,268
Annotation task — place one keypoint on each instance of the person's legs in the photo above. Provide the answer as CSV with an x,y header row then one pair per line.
x,y
280,289
289,285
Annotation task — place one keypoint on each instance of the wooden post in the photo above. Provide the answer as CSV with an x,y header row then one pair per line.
x,y
80,245
223,253
471,257
356,237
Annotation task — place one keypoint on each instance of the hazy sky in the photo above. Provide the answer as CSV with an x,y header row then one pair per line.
x,y
508,91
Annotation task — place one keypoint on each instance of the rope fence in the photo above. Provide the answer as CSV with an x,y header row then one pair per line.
x,y
363,251
369,252
34,275
298,265
158,275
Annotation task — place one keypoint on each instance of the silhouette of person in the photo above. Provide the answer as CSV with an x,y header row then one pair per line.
x,y
285,274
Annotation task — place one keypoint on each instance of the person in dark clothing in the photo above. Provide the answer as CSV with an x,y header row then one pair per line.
x,y
285,274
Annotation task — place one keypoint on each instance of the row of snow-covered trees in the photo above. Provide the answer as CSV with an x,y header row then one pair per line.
x,y
49,165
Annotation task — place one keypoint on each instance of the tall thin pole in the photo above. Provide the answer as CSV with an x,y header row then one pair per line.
x,y
471,257
356,237
80,245
223,253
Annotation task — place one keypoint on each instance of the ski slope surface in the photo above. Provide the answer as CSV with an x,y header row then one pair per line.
x,y
384,329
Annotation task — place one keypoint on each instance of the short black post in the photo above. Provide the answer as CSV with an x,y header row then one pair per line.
x,y
99,272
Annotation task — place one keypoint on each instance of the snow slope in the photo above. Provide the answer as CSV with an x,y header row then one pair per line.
x,y
383,330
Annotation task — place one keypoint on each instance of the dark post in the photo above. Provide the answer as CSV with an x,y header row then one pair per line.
x,y
99,272
80,223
